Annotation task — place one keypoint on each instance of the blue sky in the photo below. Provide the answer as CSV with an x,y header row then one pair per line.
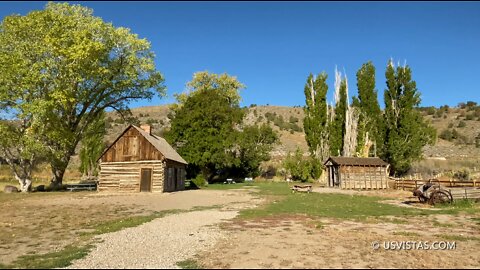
x,y
272,46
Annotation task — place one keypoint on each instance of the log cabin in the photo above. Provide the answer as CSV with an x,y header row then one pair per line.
x,y
139,161
357,173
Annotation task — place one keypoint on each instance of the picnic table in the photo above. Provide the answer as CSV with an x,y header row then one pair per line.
x,y
302,188
84,186
229,181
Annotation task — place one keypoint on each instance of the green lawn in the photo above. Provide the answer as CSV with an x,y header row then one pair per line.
x,y
283,201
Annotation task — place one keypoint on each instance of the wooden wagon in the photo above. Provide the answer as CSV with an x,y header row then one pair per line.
x,y
434,193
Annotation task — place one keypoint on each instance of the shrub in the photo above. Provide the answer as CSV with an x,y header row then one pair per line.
x,y
450,125
293,119
463,174
469,117
199,181
431,110
471,104
151,121
447,135
462,124
302,169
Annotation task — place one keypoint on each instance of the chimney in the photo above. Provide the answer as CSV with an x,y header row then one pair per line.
x,y
147,128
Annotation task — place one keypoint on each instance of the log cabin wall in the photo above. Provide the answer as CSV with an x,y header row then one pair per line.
x,y
175,175
125,176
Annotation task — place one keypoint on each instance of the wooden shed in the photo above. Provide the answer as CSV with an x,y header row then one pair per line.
x,y
138,161
357,173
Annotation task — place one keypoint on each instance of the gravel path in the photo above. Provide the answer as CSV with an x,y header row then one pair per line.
x,y
159,243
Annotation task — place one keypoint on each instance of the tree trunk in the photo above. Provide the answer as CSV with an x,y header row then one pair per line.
x,y
59,166
25,183
57,176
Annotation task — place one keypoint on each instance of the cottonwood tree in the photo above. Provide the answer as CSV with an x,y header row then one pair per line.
x,y
351,127
204,124
20,149
252,146
203,80
406,132
92,146
70,66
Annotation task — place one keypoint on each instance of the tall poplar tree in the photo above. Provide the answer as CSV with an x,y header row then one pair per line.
x,y
370,119
406,132
316,116
337,127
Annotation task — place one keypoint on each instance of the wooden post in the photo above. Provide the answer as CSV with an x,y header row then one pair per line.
x,y
365,177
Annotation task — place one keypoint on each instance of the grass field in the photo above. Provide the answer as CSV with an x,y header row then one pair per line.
x,y
283,201
38,222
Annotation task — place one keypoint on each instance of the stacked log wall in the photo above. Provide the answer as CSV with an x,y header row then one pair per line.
x,y
125,176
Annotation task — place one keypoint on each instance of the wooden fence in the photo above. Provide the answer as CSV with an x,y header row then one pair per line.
x,y
412,184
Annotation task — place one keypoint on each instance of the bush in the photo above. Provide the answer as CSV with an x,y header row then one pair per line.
x,y
471,104
293,119
462,124
450,125
151,121
446,135
463,174
470,117
199,181
302,169
431,110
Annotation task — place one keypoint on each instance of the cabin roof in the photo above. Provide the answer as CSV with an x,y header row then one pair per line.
x,y
356,161
158,142
161,145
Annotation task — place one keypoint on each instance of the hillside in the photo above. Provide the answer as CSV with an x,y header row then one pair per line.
x,y
288,121
452,154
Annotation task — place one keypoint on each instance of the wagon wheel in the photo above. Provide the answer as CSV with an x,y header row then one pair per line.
x,y
440,196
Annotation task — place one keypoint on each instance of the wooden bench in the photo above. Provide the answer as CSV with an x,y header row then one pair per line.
x,y
78,187
302,188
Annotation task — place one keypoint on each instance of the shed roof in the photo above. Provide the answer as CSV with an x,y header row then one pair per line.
x,y
161,145
356,161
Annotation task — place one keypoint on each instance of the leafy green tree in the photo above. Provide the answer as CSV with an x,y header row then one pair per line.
x,y
92,147
21,149
406,131
203,128
300,168
370,119
229,85
69,66
253,146
316,117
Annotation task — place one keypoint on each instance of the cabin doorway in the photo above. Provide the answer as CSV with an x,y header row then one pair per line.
x,y
146,180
